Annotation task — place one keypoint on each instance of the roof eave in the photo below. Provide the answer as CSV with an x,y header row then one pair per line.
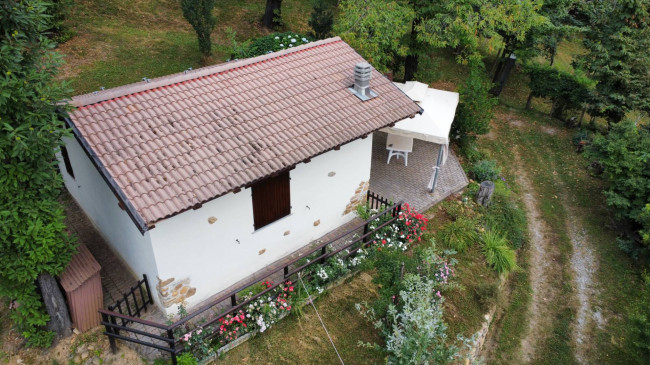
x,y
103,172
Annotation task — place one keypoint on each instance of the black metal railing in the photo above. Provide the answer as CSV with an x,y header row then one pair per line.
x,y
169,335
131,304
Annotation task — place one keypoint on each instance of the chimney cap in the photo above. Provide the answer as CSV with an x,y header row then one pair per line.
x,y
362,77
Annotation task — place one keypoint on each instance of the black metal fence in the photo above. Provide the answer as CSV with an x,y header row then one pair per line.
x,y
169,335
131,303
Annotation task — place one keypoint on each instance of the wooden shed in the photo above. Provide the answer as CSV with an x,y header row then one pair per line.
x,y
83,289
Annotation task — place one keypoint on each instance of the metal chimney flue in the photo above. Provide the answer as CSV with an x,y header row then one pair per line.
x,y
362,76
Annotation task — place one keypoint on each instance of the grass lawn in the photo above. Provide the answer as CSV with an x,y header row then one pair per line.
x,y
300,339
119,42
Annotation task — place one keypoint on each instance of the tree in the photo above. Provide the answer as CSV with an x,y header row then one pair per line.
x,y
273,14
566,91
375,29
474,109
618,41
199,14
321,20
33,240
625,156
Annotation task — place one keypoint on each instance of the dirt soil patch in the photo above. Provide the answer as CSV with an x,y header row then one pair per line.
x,y
544,276
90,348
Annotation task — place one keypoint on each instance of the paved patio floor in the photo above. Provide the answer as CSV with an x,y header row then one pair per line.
x,y
409,183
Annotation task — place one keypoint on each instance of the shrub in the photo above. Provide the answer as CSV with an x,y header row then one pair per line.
x,y
485,170
199,14
321,20
416,333
504,215
267,44
458,235
624,155
186,359
497,253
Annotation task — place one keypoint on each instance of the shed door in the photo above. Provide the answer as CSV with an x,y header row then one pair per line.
x,y
271,200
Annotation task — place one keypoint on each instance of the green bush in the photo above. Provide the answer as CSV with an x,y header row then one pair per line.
x,y
270,43
497,253
624,155
322,19
485,170
504,215
458,235
186,359
199,14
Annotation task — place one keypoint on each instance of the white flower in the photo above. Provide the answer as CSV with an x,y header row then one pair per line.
x,y
293,40
281,45
276,37
291,45
304,39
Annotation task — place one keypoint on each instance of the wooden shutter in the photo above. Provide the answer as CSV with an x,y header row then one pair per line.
x,y
271,200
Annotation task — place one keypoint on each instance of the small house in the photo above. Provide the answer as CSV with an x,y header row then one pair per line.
x,y
201,178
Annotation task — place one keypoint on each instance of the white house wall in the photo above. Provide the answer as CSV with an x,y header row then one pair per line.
x,y
208,257
101,206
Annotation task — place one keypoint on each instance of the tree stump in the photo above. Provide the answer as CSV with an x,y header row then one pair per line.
x,y
55,305
485,193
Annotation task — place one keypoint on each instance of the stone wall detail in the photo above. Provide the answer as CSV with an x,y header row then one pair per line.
x,y
172,291
359,197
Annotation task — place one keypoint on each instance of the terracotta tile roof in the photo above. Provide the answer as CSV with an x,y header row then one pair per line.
x,y
184,139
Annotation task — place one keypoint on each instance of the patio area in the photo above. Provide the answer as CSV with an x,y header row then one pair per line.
x,y
409,183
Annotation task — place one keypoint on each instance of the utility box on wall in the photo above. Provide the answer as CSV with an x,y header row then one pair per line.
x,y
83,289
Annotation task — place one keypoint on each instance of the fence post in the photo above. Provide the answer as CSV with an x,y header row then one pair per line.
x,y
146,283
233,300
109,330
323,251
172,344
286,271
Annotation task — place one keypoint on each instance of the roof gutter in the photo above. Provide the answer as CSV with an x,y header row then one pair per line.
x,y
112,184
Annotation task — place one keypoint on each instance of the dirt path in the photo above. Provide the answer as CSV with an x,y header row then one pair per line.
x,y
584,265
544,277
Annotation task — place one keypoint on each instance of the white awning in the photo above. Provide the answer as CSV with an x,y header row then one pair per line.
x,y
439,110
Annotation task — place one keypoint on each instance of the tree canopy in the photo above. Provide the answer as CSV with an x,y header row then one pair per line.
x,y
33,239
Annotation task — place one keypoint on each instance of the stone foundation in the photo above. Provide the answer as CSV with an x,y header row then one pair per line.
x,y
172,291
358,198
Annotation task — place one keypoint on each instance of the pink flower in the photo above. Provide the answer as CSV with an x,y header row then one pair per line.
x,y
438,294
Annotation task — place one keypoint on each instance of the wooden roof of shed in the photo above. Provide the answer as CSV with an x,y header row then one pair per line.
x,y
81,268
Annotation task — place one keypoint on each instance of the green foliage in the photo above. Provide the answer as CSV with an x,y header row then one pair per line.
x,y
644,219
270,43
321,20
639,316
375,29
485,170
474,109
58,10
497,253
624,154
458,235
487,294
199,14
465,25
504,215
186,359
32,238
618,42
567,91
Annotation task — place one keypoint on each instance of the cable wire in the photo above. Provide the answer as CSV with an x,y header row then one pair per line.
x,y
319,318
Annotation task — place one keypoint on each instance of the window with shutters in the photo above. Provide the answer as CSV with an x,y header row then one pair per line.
x,y
271,200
